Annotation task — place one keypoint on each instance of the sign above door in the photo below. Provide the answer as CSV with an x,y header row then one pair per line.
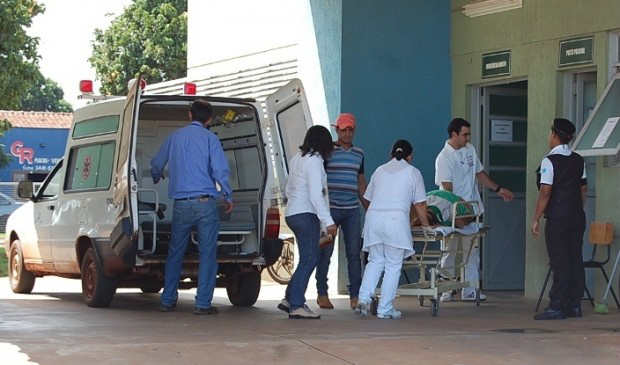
x,y
576,51
496,64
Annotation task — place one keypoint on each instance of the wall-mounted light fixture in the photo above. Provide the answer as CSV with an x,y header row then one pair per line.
x,y
485,7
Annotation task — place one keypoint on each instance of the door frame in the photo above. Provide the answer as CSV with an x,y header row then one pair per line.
x,y
568,92
476,106
481,131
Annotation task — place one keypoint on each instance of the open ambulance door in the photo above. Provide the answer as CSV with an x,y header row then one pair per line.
x,y
289,119
125,176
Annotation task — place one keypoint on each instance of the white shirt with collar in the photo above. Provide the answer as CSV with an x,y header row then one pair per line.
x,y
460,167
546,167
306,190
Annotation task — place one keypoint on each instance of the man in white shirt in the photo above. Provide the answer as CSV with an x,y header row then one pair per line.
x,y
458,169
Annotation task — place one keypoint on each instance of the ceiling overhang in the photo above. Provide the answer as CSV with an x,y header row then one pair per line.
x,y
484,7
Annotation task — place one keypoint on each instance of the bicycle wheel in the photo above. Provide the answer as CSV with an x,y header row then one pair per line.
x,y
282,270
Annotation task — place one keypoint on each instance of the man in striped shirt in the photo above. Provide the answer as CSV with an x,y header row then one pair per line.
x,y
346,185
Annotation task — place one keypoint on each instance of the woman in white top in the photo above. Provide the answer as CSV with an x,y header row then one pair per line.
x,y
306,210
393,187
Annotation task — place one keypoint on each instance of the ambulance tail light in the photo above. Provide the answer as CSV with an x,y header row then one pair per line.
x,y
189,88
272,224
86,86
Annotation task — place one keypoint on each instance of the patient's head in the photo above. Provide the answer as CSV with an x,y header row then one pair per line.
x,y
433,219
415,221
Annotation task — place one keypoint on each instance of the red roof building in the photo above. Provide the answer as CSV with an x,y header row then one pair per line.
x,y
22,119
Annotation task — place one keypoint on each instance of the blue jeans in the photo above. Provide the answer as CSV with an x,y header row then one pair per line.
x,y
203,216
349,222
307,230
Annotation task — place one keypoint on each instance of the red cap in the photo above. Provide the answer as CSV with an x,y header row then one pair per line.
x,y
345,120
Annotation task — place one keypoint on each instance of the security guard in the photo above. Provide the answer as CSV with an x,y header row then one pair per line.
x,y
561,198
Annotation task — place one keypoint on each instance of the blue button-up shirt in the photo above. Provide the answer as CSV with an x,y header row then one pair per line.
x,y
196,162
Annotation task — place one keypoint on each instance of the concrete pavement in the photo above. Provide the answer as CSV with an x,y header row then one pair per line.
x,y
53,326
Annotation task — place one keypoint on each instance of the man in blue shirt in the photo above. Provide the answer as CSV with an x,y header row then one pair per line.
x,y
196,164
346,185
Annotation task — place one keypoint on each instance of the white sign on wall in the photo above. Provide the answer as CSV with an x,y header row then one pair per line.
x,y
501,130
605,132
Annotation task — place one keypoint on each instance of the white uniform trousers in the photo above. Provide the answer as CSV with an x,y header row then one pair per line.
x,y
382,258
473,264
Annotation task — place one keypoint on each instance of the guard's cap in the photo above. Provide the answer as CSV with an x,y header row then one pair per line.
x,y
564,126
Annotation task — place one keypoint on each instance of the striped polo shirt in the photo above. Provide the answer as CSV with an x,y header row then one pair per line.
x,y
342,170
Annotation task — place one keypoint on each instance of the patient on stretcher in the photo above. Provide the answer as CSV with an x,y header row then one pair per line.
x,y
440,207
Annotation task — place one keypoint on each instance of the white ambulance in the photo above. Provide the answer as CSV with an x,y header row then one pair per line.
x,y
99,217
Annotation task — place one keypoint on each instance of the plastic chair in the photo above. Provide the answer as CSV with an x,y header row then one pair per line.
x,y
600,234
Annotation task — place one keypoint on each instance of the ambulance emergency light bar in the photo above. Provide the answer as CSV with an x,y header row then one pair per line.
x,y
86,88
189,88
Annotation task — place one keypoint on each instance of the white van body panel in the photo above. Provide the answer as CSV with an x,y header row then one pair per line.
x,y
84,213
35,223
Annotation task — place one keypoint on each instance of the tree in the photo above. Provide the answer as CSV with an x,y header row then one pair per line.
x,y
149,37
45,96
18,51
18,57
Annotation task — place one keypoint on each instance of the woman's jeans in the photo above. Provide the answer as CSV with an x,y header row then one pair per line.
x,y
203,216
307,230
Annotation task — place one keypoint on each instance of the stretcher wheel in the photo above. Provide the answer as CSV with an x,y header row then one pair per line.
x,y
434,307
373,306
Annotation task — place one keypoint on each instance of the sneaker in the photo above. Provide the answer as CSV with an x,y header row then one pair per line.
x,y
392,314
446,297
303,313
361,309
167,308
323,302
353,303
203,311
284,306
471,296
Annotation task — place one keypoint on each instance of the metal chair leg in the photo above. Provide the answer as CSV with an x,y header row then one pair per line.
x,y
611,288
542,292
590,299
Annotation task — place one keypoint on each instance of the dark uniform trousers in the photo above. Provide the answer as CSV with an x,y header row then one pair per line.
x,y
564,238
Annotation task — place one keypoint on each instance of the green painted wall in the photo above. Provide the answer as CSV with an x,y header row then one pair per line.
x,y
532,33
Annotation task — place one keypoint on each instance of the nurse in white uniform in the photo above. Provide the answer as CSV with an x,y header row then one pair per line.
x,y
393,187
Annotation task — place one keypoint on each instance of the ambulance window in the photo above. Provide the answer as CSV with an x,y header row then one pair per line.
x,y
95,127
90,167
52,186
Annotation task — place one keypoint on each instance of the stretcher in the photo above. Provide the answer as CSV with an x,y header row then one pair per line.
x,y
427,259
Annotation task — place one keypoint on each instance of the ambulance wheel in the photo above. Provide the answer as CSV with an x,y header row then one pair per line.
x,y
21,280
150,289
243,290
98,289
